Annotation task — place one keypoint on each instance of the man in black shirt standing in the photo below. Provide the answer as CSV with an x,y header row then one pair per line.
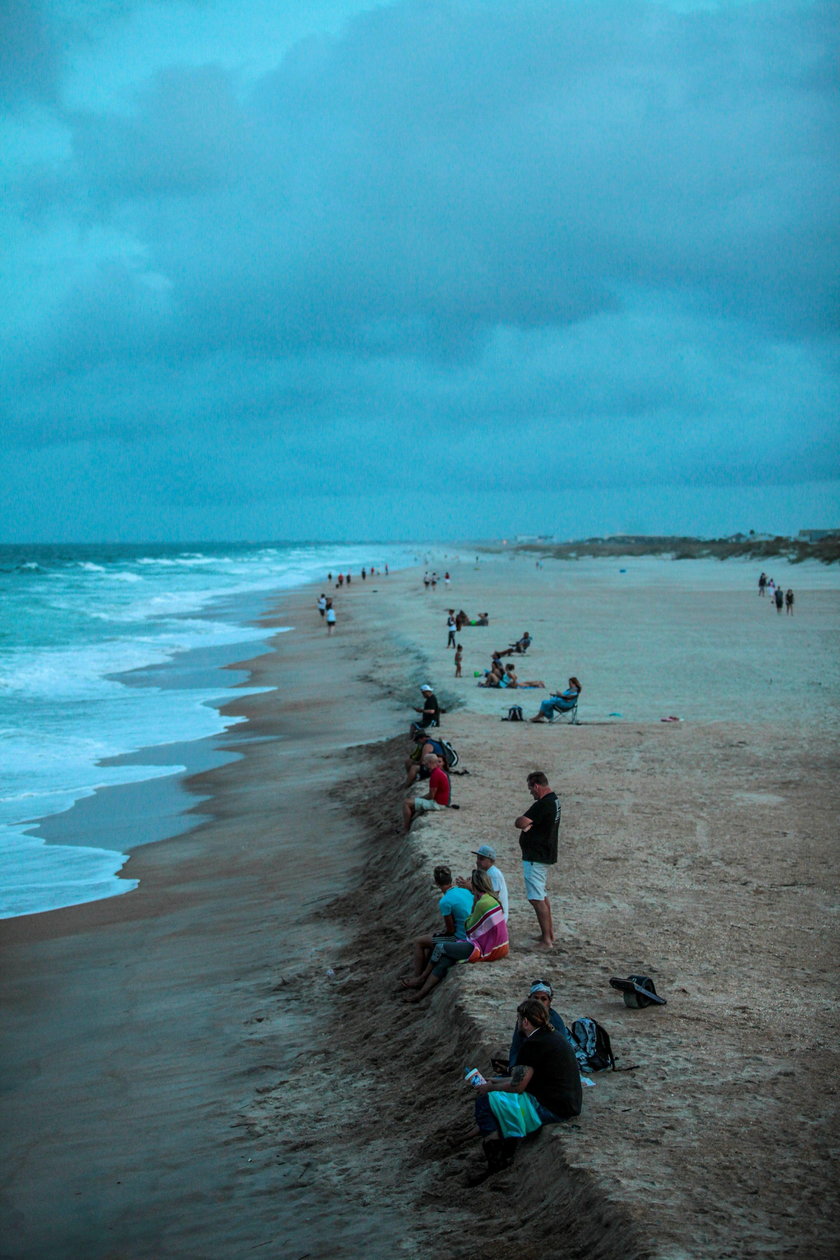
x,y
539,826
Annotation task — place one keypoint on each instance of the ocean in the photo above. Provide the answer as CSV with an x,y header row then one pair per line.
x,y
111,674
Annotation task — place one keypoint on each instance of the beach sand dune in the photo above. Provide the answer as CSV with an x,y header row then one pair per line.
x,y
221,1062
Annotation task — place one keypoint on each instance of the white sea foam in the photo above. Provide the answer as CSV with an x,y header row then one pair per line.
x,y
35,876
74,625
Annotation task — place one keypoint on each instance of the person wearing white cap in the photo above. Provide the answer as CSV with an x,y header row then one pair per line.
x,y
485,860
430,713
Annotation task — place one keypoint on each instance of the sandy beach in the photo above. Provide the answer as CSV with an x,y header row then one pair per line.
x,y
221,1063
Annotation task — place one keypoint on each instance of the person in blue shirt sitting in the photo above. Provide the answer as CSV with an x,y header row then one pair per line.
x,y
455,906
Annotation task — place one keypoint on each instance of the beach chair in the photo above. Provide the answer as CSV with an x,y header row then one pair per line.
x,y
568,713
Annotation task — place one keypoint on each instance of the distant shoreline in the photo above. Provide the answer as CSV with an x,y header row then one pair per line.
x,y
794,550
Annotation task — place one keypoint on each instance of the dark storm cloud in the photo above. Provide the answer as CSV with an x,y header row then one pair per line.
x,y
611,226
435,174
29,55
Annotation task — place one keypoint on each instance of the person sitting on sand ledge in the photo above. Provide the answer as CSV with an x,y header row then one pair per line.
x,y
414,767
430,712
486,940
560,702
485,860
455,906
439,792
543,1088
540,991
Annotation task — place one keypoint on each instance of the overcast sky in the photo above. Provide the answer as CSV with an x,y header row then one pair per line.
x,y
455,268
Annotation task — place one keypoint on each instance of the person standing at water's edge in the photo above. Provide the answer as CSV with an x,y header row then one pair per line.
x,y
539,827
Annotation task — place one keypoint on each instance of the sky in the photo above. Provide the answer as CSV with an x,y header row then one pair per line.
x,y
417,269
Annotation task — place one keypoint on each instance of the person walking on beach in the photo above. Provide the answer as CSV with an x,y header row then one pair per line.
x,y
762,584
779,598
539,827
450,628
789,602
322,604
330,616
459,656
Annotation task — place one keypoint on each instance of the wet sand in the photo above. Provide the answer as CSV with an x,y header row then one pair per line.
x,y
185,1079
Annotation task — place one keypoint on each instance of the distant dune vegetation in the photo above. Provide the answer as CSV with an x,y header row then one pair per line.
x,y
793,549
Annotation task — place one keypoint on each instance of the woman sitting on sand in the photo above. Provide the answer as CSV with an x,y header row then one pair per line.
x,y
493,675
486,940
559,703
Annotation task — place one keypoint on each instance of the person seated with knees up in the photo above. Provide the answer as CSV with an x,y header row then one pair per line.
x,y
540,991
560,702
439,791
543,1088
486,939
455,906
423,745
485,860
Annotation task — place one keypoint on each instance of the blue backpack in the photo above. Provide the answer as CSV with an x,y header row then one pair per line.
x,y
591,1044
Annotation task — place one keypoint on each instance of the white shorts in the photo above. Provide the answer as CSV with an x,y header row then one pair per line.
x,y
536,874
422,805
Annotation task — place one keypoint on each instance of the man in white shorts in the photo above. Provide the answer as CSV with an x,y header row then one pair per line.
x,y
539,827
439,792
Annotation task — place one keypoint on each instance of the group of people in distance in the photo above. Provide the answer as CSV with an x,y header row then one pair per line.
x,y
780,599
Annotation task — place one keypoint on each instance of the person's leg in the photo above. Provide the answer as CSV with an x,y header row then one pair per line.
x,y
412,771
542,910
546,711
425,989
486,1123
423,947
535,875
420,980
450,953
408,815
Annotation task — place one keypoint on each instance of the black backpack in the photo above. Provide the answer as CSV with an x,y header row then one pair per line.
x,y
514,714
591,1044
448,753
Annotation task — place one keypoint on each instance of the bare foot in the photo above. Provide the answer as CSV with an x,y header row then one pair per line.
x,y
410,984
541,944
412,997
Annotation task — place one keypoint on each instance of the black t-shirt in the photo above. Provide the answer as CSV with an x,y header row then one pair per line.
x,y
540,843
556,1080
429,702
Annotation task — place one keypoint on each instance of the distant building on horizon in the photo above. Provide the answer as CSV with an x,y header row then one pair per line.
x,y
817,535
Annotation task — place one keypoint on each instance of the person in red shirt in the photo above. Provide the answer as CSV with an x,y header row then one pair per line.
x,y
439,792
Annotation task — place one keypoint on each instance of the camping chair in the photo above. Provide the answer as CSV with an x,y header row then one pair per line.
x,y
568,712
